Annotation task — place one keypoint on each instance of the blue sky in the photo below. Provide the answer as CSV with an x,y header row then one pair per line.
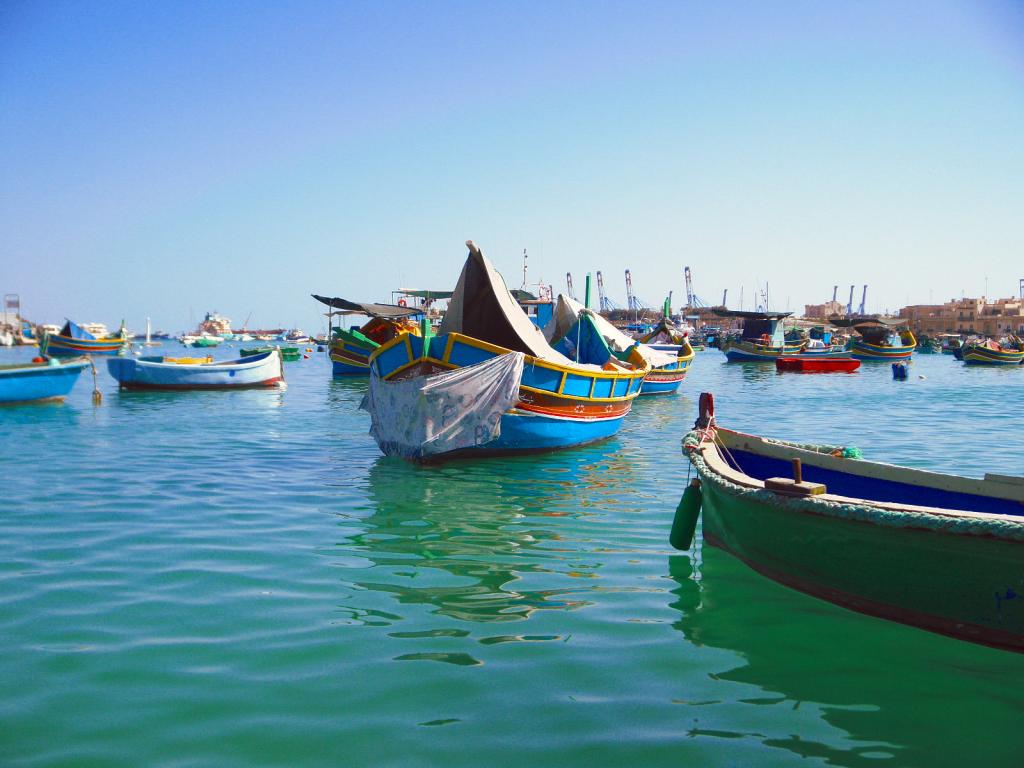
x,y
166,159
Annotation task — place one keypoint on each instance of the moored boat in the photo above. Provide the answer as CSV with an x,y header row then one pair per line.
x,y
585,336
761,339
989,352
48,380
880,339
489,382
74,340
288,354
876,538
817,364
350,349
159,372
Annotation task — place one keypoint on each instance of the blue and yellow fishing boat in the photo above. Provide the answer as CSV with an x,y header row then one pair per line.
x,y
761,339
73,339
881,340
489,382
349,349
993,353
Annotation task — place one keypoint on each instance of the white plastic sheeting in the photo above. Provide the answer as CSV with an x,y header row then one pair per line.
x,y
567,311
431,415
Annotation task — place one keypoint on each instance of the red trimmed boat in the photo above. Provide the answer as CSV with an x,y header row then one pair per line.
x,y
817,364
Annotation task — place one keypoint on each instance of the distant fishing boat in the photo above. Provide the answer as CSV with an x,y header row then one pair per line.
x,y
50,380
928,345
990,352
75,340
760,340
585,336
879,339
938,552
489,382
950,343
350,350
288,354
159,372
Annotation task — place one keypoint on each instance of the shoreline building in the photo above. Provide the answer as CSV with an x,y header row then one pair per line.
x,y
824,311
967,316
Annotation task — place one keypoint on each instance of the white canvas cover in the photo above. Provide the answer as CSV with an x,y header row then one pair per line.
x,y
567,311
430,415
483,308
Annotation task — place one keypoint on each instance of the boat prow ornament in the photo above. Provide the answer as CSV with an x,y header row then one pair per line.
x,y
706,411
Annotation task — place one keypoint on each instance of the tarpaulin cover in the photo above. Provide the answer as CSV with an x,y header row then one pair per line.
x,y
564,326
75,331
483,308
431,415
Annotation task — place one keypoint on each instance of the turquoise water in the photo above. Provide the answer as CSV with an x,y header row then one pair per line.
x,y
240,579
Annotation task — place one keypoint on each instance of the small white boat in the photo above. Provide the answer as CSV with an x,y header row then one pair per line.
x,y
159,372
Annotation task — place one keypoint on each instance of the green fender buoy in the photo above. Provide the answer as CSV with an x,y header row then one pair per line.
x,y
685,522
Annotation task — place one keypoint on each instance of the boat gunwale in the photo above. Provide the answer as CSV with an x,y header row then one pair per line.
x,y
711,464
242,363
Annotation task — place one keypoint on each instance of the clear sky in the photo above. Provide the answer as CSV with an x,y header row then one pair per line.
x,y
168,158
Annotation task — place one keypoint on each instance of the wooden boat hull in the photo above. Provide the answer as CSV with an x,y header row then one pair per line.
x,y
39,382
951,572
752,352
349,357
666,379
67,346
557,408
154,373
876,352
288,354
978,355
817,364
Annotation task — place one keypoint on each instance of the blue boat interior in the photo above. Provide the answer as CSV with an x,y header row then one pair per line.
x,y
872,489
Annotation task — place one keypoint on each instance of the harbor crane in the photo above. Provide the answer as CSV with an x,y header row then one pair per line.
x,y
835,290
630,298
568,285
849,304
633,301
604,303
725,292
863,299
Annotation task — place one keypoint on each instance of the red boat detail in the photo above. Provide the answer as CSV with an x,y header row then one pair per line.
x,y
815,364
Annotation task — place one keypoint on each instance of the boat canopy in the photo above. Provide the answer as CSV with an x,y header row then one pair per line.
x,y
744,315
418,294
853,321
482,307
345,307
567,323
73,330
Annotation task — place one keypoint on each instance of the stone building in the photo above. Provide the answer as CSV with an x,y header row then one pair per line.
x,y
966,316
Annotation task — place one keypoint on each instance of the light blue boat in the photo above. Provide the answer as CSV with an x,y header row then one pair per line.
x,y
39,382
166,373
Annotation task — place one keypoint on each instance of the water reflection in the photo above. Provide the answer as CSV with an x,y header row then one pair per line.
x,y
803,652
483,540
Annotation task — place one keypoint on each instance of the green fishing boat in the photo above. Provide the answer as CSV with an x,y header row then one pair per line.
x,y
288,354
938,552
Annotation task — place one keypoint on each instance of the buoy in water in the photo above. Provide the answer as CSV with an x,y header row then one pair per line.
x,y
305,357
685,522
899,371
320,348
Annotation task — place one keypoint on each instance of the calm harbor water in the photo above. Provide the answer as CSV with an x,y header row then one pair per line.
x,y
222,579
